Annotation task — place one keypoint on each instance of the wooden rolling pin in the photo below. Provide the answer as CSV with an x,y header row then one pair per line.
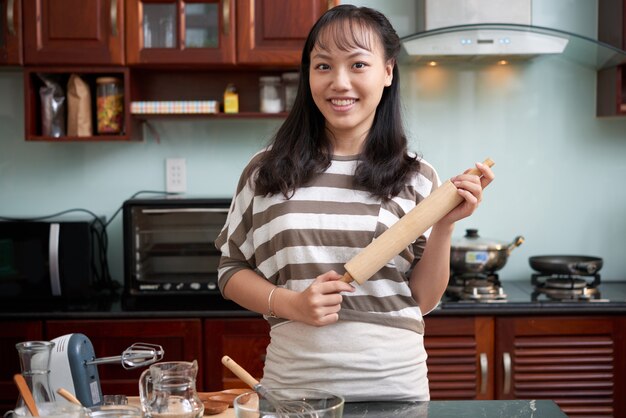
x,y
391,242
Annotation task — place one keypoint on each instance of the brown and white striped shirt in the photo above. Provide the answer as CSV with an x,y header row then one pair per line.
x,y
327,221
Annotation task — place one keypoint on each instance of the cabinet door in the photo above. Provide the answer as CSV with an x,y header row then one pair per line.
x,y
576,361
180,31
273,32
11,333
181,340
11,32
243,340
73,32
460,357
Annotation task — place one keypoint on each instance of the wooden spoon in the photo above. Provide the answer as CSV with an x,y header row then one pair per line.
x,y
67,395
22,386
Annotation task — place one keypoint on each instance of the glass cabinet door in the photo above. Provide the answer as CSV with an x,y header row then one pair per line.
x,y
181,31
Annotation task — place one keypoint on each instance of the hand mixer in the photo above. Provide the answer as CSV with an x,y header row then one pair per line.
x,y
73,365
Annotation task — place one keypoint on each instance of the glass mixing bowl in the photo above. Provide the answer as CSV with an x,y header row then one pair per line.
x,y
290,403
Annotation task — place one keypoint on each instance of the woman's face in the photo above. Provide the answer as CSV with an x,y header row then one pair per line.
x,y
347,83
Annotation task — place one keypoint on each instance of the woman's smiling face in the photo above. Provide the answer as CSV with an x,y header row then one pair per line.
x,y
347,76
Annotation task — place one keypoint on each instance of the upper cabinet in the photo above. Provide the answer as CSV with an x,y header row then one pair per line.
x,y
181,32
10,32
68,32
268,37
200,32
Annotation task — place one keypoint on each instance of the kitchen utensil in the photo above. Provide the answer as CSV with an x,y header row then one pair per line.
x,y
73,365
474,254
114,411
322,403
68,396
282,407
35,369
566,264
390,243
169,389
26,394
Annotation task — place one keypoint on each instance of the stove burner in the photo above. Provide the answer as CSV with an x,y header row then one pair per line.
x,y
476,287
566,287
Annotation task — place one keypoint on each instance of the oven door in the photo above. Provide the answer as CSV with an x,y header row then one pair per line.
x,y
171,250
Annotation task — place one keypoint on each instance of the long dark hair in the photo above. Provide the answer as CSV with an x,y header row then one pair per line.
x,y
301,148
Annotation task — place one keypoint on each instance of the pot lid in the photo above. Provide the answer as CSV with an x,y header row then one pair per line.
x,y
473,241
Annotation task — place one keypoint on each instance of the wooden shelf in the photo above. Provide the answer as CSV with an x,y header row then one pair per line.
x,y
240,115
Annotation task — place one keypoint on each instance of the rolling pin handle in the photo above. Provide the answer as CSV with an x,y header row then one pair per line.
x,y
346,278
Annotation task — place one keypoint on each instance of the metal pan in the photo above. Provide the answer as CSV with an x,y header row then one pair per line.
x,y
566,264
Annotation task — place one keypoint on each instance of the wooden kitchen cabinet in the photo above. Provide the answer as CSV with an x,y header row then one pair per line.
x,y
578,362
273,32
33,110
460,357
11,32
181,340
611,82
181,32
11,333
73,32
243,340
220,32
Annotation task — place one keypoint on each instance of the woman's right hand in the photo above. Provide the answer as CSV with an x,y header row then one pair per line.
x,y
319,304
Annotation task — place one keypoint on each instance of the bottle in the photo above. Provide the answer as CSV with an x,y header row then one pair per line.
x,y
270,94
290,89
231,99
35,365
110,105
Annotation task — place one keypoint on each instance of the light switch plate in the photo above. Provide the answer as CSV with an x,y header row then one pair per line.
x,y
175,175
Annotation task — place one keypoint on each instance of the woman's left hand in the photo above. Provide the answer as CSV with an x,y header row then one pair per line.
x,y
470,188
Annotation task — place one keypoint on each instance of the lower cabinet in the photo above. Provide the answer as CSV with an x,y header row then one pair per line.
x,y
243,340
576,361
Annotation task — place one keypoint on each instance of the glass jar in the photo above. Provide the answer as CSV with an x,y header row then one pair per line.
x,y
270,94
290,89
35,367
110,105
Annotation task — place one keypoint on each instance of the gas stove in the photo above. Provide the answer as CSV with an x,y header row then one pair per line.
x,y
566,287
476,287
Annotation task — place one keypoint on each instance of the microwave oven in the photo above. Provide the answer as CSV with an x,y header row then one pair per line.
x,y
169,248
48,263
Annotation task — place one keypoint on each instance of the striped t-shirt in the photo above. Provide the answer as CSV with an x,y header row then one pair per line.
x,y
321,227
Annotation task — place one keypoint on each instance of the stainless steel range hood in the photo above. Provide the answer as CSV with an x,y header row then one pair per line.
x,y
487,31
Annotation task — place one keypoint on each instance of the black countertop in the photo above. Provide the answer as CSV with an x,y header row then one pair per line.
x,y
520,301
456,409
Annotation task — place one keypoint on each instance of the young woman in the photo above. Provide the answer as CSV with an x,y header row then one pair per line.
x,y
337,175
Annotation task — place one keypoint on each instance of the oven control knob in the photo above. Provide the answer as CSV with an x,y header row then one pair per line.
x,y
211,286
179,286
195,286
167,286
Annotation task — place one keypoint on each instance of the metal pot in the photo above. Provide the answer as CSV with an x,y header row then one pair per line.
x,y
473,254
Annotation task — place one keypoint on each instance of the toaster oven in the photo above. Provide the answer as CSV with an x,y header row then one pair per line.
x,y
169,246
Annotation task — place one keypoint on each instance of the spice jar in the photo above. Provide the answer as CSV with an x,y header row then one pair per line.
x,y
231,99
110,105
290,89
270,94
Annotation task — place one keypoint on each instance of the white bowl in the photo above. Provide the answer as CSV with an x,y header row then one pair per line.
x,y
294,402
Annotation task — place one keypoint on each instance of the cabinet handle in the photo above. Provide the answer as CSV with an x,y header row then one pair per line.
x,y
484,370
11,17
114,17
226,17
506,362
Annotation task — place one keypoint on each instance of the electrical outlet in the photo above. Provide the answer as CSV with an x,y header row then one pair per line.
x,y
175,175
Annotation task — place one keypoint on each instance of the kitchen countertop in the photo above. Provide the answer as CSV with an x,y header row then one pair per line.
x,y
441,409
612,300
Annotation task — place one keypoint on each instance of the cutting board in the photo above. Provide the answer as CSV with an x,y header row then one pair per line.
x,y
229,413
